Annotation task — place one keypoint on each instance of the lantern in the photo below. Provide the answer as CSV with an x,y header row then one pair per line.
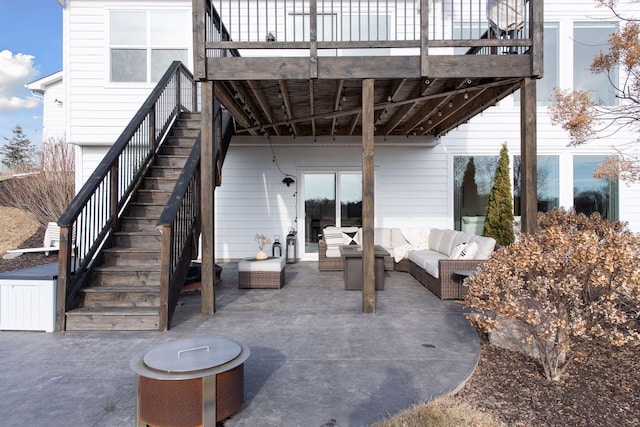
x,y
292,248
276,246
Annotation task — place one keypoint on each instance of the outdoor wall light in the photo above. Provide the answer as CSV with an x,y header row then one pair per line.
x,y
288,180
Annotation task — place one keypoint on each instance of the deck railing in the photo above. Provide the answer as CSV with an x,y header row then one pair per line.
x,y
180,227
88,222
352,27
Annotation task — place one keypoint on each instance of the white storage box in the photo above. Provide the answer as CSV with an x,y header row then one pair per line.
x,y
28,299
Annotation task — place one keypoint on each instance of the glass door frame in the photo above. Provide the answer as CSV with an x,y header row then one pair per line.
x,y
302,237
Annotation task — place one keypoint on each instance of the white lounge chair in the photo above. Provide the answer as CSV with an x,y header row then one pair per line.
x,y
50,243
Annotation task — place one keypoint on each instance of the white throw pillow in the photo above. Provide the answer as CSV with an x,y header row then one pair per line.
x,y
469,251
457,250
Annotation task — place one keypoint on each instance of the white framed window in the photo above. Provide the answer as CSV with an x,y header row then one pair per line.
x,y
142,44
551,48
589,39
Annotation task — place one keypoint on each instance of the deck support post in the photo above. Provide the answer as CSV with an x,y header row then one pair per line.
x,y
368,257
528,152
207,179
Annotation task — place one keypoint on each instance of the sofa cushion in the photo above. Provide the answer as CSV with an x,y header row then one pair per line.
x,y
382,237
460,237
446,244
333,252
333,237
435,237
427,260
486,246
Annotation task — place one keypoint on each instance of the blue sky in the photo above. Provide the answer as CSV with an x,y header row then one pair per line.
x,y
30,48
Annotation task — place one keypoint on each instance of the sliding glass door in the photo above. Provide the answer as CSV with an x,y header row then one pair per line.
x,y
330,199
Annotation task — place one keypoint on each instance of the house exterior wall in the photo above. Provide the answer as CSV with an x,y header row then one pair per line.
x,y
414,185
97,109
53,113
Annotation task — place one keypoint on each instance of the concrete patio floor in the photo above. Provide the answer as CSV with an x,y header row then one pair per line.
x,y
316,360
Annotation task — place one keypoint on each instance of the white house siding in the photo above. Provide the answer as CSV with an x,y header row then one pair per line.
x,y
97,109
53,110
411,189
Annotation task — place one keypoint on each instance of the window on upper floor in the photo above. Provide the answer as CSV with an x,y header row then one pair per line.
x,y
589,39
544,86
143,44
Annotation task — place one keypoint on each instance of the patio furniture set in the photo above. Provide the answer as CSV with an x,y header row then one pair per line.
x,y
435,257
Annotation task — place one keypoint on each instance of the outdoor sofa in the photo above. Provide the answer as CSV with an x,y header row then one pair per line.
x,y
433,257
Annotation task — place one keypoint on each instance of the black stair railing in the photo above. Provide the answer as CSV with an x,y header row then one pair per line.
x,y
180,227
89,220
180,220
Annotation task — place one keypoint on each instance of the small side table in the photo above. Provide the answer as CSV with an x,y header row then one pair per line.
x,y
352,256
463,274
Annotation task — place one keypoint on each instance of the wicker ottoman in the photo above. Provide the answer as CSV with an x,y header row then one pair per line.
x,y
268,273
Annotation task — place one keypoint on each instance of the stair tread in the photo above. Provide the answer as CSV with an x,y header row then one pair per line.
x,y
123,288
127,268
135,203
162,177
115,311
154,232
132,249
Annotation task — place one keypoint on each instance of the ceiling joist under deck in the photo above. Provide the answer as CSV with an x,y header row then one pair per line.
x,y
402,107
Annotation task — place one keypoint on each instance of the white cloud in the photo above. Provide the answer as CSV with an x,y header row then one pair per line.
x,y
16,71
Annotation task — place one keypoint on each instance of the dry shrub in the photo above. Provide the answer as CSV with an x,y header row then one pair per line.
x,y
443,412
46,191
17,226
577,277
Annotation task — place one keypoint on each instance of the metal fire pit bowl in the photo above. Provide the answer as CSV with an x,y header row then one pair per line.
x,y
191,382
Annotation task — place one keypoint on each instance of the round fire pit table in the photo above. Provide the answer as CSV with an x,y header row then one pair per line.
x,y
190,382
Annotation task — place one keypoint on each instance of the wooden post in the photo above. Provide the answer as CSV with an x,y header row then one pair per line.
x,y
368,257
528,152
536,11
207,171
199,49
313,39
64,271
424,38
165,278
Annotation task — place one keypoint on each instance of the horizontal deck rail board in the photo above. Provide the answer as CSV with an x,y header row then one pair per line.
x,y
390,44
296,68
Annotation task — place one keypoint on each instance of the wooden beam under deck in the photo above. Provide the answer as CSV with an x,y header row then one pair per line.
x,y
362,67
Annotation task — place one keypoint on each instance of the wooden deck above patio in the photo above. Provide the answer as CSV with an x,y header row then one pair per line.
x,y
408,69
307,81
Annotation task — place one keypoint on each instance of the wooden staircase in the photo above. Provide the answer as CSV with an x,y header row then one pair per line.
x,y
124,291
